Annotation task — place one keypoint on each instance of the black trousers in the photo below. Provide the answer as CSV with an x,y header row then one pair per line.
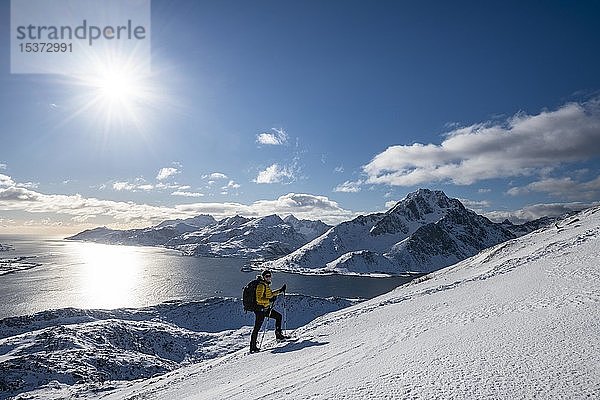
x,y
259,319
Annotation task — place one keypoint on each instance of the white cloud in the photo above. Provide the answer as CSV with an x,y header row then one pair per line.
x,y
390,204
29,185
348,187
277,138
524,145
166,172
484,190
119,186
339,169
187,194
274,174
231,185
79,208
476,205
537,211
6,180
131,187
566,188
3,166
215,176
161,185
304,206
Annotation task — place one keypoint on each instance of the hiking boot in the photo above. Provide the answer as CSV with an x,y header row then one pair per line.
x,y
254,349
280,336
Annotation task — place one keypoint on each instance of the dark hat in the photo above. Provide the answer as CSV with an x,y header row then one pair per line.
x,y
266,272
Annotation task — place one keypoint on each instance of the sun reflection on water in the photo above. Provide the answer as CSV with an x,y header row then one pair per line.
x,y
110,275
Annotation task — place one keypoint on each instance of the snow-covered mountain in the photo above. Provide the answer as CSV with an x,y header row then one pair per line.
x,y
424,232
266,237
69,351
310,229
132,237
257,238
518,320
189,224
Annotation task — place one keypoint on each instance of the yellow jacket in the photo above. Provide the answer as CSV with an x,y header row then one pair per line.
x,y
264,294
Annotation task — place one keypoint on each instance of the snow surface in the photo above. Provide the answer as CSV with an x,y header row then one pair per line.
x,y
520,320
69,352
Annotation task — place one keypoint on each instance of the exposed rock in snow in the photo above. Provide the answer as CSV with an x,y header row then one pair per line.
x,y
424,232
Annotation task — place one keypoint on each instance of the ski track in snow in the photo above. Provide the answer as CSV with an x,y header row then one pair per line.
x,y
518,321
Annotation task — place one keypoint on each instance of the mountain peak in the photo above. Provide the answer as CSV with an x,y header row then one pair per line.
x,y
199,221
291,219
424,201
269,220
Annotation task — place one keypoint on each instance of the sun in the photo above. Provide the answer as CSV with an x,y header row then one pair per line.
x,y
117,92
118,87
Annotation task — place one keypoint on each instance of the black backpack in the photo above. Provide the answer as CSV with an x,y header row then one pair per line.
x,y
249,295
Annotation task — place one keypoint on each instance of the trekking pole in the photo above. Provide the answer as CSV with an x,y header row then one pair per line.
x,y
284,314
267,317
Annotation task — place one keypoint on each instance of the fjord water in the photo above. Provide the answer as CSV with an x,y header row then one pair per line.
x,y
90,275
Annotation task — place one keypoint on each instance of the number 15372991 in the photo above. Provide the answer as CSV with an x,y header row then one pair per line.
x,y
45,47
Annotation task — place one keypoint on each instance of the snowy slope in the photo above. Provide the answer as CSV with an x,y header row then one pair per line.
x,y
76,351
424,232
519,320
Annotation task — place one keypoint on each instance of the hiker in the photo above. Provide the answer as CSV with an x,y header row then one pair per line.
x,y
264,298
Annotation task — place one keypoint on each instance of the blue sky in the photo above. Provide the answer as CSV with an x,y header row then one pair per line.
x,y
324,109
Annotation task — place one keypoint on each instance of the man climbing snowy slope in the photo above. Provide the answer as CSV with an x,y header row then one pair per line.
x,y
264,309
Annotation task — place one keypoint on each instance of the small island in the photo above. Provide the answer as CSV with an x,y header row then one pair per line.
x,y
5,247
